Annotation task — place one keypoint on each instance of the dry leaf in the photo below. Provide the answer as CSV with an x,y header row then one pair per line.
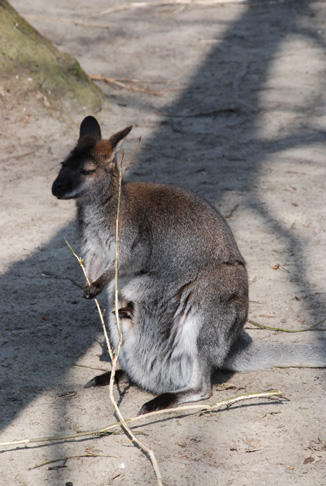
x,y
308,460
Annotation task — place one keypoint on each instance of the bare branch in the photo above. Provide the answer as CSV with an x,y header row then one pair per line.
x,y
226,404
116,82
280,329
81,263
123,423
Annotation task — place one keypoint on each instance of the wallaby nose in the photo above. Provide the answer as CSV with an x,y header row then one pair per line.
x,y
56,187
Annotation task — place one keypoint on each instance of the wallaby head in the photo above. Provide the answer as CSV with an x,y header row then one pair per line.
x,y
91,167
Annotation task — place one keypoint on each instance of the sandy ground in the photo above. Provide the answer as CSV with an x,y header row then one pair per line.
x,y
239,116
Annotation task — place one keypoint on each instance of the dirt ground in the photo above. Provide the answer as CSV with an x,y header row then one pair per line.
x,y
239,116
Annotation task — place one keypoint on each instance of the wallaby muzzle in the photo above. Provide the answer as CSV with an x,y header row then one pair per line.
x,y
64,189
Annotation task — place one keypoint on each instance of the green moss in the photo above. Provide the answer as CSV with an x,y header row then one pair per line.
x,y
27,56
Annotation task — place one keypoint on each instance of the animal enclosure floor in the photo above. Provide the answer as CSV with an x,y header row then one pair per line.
x,y
230,101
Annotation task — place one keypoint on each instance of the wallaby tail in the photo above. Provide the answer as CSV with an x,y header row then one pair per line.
x,y
247,355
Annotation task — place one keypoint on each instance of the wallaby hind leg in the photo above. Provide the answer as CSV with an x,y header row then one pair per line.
x,y
168,400
189,394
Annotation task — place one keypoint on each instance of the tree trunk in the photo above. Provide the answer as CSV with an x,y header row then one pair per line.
x,y
34,68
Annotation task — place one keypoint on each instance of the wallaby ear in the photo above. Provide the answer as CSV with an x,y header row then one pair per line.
x,y
117,137
105,150
90,128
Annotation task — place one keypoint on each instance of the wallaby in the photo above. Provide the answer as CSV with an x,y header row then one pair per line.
x,y
183,285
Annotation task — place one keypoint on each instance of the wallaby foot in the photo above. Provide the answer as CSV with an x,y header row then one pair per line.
x,y
168,400
104,379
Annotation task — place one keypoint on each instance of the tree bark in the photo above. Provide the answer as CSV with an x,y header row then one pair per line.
x,y
31,66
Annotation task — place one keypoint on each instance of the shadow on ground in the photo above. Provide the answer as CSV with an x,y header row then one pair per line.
x,y
50,332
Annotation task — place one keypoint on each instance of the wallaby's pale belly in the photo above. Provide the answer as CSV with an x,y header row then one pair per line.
x,y
160,365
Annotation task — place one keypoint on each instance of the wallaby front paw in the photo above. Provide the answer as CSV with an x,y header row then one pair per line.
x,y
104,379
91,291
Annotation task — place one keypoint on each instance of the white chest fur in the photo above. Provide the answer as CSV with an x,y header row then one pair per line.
x,y
98,244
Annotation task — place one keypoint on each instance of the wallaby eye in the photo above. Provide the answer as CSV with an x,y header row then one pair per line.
x,y
87,172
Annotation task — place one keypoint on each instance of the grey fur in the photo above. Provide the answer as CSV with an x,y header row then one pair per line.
x,y
181,276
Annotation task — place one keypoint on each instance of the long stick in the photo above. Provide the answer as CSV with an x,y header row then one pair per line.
x,y
116,82
314,327
204,3
123,423
80,261
227,403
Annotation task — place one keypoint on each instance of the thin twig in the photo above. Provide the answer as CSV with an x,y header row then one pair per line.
x,y
281,267
115,82
204,3
231,109
227,216
89,367
227,403
65,459
52,275
133,155
311,328
123,423
81,263
65,21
